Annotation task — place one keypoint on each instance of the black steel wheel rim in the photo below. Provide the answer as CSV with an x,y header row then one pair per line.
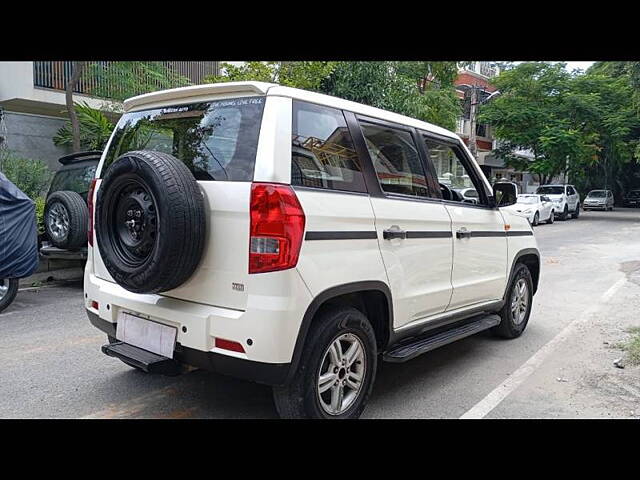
x,y
133,222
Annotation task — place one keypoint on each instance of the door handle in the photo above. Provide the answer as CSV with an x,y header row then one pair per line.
x,y
463,233
394,232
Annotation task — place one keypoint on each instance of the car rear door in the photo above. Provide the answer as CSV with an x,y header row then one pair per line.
x,y
412,224
478,231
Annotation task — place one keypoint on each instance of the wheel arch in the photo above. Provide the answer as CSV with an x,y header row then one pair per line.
x,y
531,258
372,298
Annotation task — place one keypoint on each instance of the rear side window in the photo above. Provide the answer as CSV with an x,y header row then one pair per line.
x,y
215,140
570,191
396,160
322,151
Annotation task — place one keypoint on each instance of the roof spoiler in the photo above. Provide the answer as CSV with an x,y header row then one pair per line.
x,y
79,156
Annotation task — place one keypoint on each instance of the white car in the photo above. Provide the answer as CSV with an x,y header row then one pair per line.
x,y
295,239
598,200
565,198
535,208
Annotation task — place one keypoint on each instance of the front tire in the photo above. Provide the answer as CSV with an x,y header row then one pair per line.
x,y
536,219
576,213
8,291
517,307
337,369
565,213
551,217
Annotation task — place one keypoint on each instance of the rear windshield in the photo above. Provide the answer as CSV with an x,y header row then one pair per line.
x,y
74,179
215,140
550,190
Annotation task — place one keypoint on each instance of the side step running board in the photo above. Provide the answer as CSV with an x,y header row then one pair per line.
x,y
417,346
143,359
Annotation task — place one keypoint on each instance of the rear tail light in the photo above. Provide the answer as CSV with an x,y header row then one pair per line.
x,y
90,203
277,226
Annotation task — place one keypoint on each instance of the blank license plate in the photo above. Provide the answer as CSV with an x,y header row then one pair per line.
x,y
151,336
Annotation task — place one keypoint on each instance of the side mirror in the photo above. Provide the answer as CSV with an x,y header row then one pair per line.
x,y
505,193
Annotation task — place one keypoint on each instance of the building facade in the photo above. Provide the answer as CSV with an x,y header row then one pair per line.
x,y
33,108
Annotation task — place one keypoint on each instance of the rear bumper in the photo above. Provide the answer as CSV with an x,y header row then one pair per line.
x,y
266,373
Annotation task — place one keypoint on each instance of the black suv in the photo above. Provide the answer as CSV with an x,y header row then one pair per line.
x,y
66,213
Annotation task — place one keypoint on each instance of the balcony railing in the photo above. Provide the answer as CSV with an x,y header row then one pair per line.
x,y
55,75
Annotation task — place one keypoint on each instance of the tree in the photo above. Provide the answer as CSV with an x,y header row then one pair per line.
x,y
585,125
77,70
94,129
422,90
306,75
531,114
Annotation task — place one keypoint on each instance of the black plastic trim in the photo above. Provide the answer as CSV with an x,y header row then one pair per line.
x,y
340,235
520,254
260,372
519,233
443,323
323,297
429,234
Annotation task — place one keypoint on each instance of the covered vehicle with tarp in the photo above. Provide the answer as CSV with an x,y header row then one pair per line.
x,y
18,239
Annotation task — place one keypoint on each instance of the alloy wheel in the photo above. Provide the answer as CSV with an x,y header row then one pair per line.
x,y
519,301
58,221
341,374
4,287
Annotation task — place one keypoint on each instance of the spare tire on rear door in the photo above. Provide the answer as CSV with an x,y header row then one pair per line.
x,y
65,219
150,222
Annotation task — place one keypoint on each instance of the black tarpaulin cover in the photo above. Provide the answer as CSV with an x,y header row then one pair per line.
x,y
18,232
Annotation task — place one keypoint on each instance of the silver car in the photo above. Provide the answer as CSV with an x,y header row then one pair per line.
x,y
598,200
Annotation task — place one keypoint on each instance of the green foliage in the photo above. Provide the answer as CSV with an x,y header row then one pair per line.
x,y
422,90
121,80
40,204
95,129
30,176
583,122
306,75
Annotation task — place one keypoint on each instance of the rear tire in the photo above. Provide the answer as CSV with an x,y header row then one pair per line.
x,y
517,308
66,219
8,291
304,396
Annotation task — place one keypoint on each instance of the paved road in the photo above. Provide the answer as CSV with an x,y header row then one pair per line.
x,y
51,364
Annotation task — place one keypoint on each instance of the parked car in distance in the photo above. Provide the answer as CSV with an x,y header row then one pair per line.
x,y
297,244
598,200
535,208
632,198
66,214
565,198
469,195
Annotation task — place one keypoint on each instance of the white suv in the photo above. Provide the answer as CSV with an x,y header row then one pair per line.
x,y
565,198
295,239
